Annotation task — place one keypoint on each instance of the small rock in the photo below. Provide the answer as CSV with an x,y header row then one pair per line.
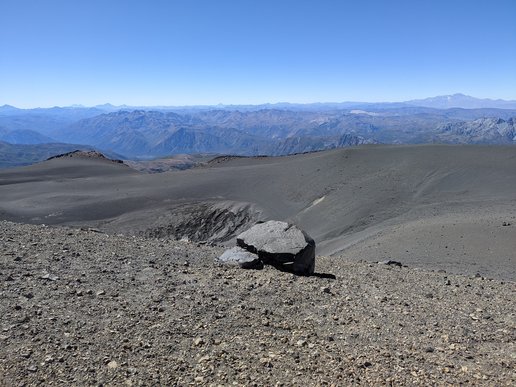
x,y
198,341
112,364
49,277
238,256
325,289
32,368
390,262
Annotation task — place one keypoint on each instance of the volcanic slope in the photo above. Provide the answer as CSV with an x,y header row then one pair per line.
x,y
432,206
82,308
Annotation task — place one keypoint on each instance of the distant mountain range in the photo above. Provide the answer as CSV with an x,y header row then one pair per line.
x,y
143,134
457,100
24,136
278,129
462,101
15,155
480,131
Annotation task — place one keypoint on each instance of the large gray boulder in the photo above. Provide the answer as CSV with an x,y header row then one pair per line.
x,y
278,242
237,256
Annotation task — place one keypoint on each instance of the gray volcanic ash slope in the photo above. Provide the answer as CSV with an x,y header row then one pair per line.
x,y
85,308
370,202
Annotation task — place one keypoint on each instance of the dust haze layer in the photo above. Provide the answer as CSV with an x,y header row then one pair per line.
x,y
439,207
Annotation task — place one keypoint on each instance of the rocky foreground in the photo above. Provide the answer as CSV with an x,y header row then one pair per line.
x,y
84,308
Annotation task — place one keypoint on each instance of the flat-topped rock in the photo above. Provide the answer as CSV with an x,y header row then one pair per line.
x,y
238,256
280,242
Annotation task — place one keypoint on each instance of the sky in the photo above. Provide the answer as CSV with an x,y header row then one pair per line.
x,y
199,52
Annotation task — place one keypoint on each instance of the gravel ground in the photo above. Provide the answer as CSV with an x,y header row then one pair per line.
x,y
80,307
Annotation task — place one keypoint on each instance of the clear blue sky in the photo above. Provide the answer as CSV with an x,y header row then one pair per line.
x,y
62,52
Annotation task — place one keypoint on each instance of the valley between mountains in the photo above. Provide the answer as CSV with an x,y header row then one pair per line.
x,y
143,133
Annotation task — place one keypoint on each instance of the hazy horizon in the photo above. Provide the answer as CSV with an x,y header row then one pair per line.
x,y
191,53
243,104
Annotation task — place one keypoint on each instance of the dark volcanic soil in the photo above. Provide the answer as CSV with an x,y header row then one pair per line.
x,y
85,308
439,207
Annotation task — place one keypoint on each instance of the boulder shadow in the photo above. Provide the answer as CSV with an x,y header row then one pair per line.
x,y
288,268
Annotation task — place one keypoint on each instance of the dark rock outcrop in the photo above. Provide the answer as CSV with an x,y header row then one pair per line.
x,y
203,222
280,243
85,154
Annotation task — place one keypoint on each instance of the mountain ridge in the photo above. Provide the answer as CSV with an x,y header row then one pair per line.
x,y
459,100
259,130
